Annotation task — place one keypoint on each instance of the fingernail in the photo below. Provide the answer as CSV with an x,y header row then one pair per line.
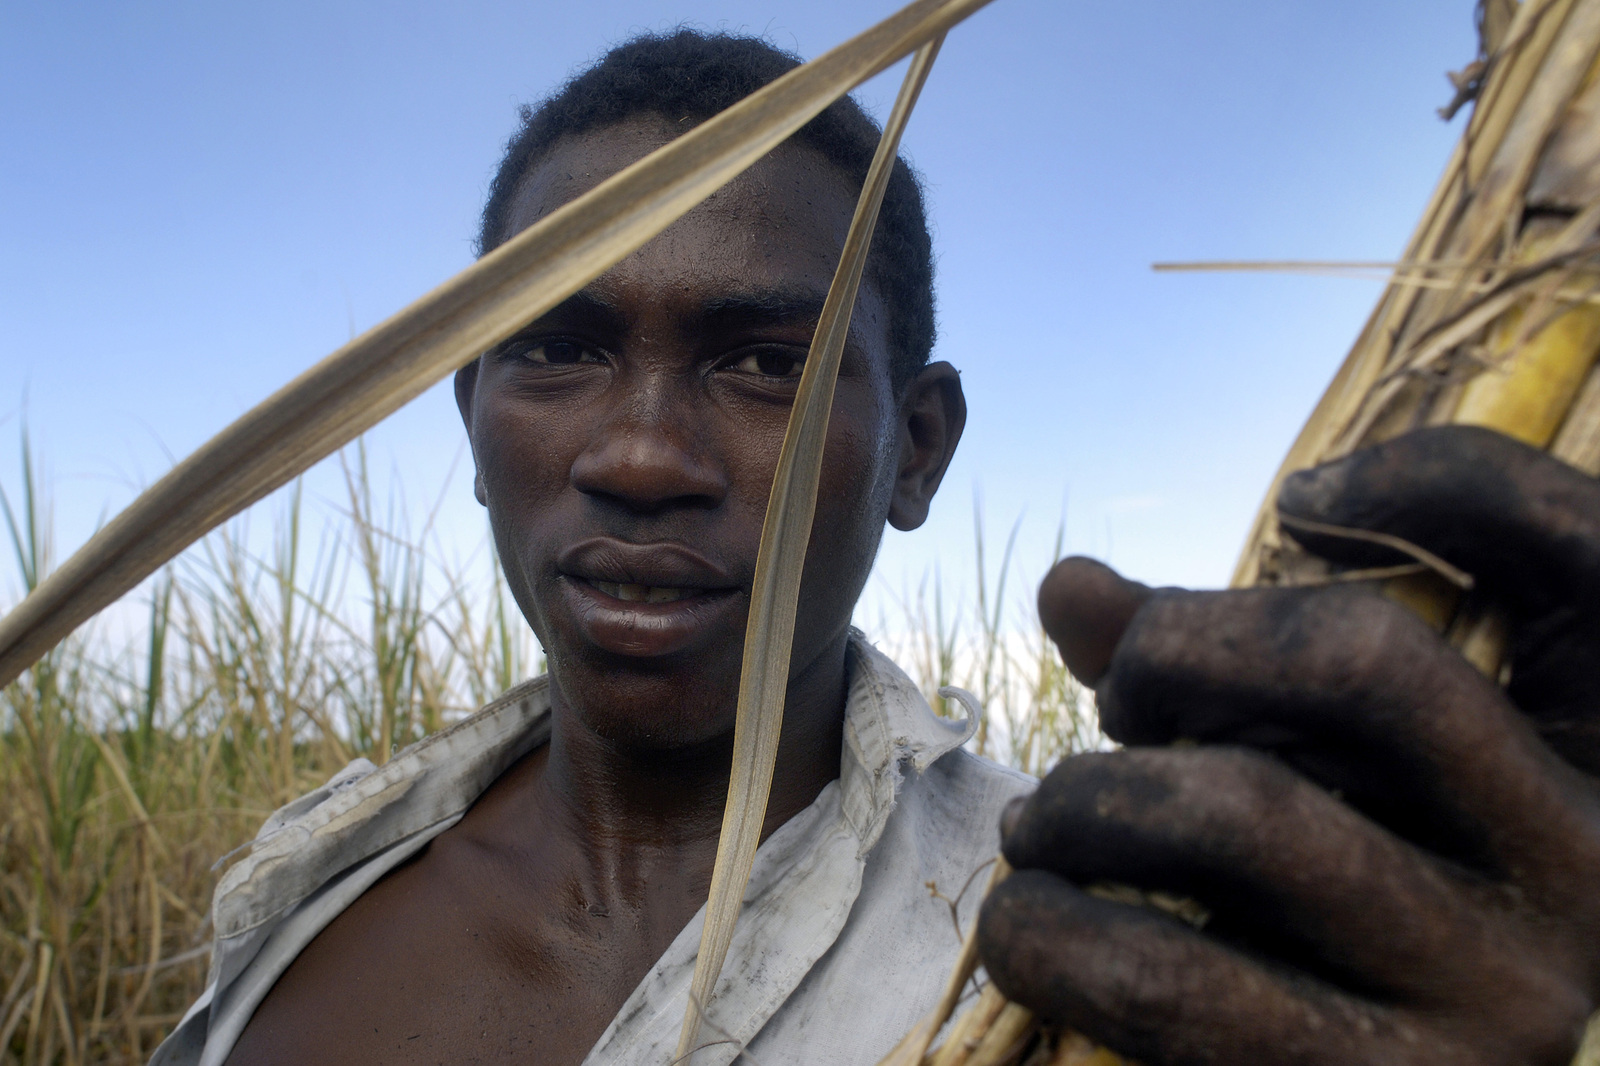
x,y
1011,816
1313,493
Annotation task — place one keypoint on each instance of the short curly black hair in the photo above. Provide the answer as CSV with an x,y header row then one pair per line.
x,y
686,77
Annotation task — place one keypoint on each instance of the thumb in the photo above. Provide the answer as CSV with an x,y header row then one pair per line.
x,y
1085,606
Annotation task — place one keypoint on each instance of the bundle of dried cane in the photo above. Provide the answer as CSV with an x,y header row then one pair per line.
x,y
1492,319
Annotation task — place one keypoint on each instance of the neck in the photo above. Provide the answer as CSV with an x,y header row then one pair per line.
x,y
648,816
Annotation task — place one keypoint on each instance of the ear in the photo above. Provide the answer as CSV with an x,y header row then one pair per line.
x,y
933,413
466,390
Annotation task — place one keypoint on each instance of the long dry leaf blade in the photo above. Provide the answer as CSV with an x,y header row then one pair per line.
x,y
769,632
358,386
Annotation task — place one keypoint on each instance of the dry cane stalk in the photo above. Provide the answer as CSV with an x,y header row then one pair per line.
x,y
1489,320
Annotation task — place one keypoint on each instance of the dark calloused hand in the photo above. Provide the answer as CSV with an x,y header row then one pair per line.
x,y
1401,859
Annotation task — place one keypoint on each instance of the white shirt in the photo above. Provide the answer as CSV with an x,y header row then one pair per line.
x,y
841,945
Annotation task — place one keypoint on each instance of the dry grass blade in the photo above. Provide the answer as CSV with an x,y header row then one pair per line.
x,y
374,375
1311,266
1436,274
769,633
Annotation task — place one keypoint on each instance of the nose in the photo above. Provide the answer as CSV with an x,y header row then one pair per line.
x,y
649,454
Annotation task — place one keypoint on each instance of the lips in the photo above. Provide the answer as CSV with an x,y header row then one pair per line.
x,y
646,600
621,568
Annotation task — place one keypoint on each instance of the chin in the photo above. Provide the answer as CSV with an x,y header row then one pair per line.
x,y
655,710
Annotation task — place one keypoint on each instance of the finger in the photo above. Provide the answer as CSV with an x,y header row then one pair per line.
x,y
1084,606
1280,865
1524,524
1359,694
1152,989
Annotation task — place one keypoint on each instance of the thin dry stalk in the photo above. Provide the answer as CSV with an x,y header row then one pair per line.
x,y
780,562
1421,275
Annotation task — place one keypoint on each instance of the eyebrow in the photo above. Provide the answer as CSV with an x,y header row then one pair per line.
x,y
763,307
589,308
739,310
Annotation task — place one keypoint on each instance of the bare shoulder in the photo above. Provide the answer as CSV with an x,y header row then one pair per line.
x,y
427,964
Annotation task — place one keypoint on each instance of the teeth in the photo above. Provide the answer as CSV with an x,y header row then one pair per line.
x,y
628,593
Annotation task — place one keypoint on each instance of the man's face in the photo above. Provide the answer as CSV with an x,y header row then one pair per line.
x,y
626,442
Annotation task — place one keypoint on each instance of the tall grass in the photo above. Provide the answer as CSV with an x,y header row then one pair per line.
x,y
131,765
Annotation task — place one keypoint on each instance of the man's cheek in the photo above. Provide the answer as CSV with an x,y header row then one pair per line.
x,y
523,474
851,507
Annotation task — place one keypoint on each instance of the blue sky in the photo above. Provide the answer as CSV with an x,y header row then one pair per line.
x,y
199,200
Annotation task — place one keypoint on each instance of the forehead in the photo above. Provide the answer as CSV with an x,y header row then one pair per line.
x,y
779,225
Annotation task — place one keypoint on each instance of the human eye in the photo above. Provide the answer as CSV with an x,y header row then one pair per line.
x,y
771,362
554,351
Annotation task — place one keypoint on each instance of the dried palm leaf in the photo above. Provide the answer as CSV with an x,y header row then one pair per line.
x,y
374,375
